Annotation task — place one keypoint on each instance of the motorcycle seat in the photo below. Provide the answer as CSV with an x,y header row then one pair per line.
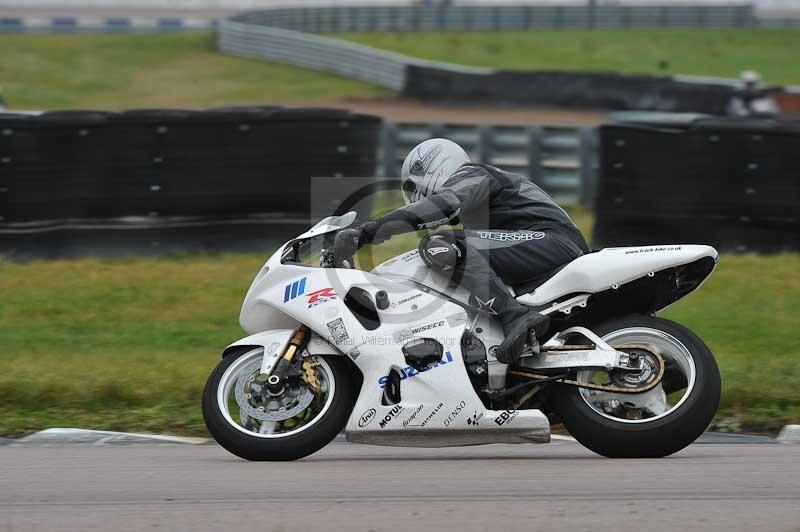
x,y
531,286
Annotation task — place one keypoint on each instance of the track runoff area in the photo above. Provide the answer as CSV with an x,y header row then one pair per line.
x,y
559,486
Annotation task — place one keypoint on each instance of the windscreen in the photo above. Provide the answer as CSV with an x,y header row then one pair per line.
x,y
331,223
307,248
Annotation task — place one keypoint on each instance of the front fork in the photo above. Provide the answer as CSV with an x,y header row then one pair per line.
x,y
295,345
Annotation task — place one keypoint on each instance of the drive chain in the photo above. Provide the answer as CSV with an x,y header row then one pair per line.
x,y
592,386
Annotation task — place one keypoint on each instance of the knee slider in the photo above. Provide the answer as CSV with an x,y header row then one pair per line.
x,y
441,251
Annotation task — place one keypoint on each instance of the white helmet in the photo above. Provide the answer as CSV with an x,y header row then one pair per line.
x,y
750,77
428,166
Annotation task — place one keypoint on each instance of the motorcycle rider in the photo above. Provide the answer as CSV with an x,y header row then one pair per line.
x,y
514,233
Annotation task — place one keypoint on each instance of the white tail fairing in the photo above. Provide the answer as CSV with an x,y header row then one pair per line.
x,y
600,271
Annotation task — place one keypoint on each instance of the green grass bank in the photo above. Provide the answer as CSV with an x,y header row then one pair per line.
x,y
185,70
151,71
127,344
725,53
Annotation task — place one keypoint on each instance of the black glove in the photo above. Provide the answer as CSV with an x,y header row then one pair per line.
x,y
345,246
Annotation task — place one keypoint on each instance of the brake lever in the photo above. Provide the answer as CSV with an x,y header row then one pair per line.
x,y
326,258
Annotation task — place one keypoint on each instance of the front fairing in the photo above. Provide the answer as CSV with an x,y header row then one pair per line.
x,y
317,297
255,316
285,294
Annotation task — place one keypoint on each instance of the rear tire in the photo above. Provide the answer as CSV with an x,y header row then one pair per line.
x,y
665,434
282,448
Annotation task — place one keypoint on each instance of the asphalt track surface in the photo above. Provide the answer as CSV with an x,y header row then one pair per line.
x,y
350,487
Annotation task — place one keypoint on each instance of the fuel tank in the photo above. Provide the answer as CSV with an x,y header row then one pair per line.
x,y
409,267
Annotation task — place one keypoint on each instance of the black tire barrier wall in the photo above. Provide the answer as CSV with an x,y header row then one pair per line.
x,y
67,168
76,164
731,183
594,90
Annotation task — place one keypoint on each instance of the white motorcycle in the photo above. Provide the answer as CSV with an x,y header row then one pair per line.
x,y
397,356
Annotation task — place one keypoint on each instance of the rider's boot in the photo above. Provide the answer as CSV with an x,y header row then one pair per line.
x,y
521,325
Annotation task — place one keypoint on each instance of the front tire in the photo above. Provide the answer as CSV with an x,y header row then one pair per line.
x,y
602,421
312,430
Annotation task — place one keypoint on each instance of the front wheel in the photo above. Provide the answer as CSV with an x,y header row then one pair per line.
x,y
257,423
656,423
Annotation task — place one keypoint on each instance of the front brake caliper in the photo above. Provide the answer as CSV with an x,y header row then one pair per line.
x,y
310,375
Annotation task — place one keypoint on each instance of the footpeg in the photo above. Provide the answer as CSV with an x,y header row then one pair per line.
x,y
533,342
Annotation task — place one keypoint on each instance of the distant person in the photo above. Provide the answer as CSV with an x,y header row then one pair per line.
x,y
3,105
754,99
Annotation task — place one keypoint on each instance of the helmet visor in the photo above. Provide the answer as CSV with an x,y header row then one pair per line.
x,y
409,191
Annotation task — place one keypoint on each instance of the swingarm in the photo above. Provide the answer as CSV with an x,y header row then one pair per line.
x,y
643,365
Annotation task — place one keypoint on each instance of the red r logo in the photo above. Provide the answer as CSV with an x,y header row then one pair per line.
x,y
316,296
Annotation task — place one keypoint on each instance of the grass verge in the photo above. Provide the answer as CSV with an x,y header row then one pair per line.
x,y
127,344
129,71
701,52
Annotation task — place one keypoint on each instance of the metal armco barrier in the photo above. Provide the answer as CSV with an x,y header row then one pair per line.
x,y
561,160
351,60
106,25
286,35
732,183
365,18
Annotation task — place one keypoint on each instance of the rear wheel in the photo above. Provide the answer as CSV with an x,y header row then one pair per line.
x,y
256,423
656,423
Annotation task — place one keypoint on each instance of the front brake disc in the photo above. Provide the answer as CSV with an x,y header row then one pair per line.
x,y
262,413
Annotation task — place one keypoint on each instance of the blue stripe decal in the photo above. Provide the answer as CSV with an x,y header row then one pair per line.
x,y
295,289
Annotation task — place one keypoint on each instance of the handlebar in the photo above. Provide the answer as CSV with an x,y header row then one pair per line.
x,y
327,259
334,251
345,245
